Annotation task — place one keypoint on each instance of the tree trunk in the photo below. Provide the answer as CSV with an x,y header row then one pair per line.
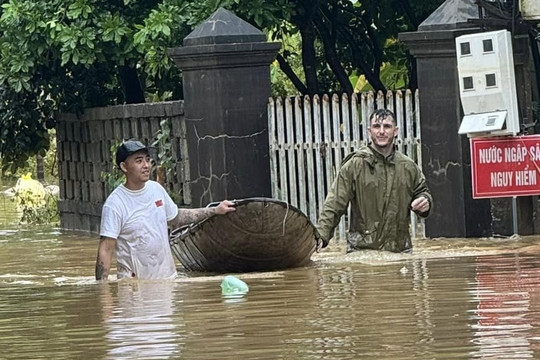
x,y
533,39
371,75
332,57
40,168
304,21
287,70
309,59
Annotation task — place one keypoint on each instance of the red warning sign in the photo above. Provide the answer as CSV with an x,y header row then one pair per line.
x,y
505,166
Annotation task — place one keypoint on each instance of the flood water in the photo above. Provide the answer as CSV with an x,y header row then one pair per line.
x,y
452,299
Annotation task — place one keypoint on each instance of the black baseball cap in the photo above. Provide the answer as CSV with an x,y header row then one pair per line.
x,y
127,148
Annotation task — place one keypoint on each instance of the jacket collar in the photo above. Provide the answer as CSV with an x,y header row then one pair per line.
x,y
377,156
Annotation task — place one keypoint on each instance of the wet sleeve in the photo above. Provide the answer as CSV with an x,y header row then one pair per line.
x,y
421,189
336,203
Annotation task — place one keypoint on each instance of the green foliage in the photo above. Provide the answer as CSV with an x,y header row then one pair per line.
x,y
36,204
392,76
21,134
281,85
163,144
30,166
60,55
290,50
348,38
44,213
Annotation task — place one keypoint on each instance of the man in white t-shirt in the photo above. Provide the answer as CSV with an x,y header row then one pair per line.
x,y
135,220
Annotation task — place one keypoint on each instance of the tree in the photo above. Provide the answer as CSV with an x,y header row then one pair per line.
x,y
349,37
60,55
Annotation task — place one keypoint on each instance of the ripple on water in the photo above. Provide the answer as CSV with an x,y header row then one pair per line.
x,y
449,299
8,232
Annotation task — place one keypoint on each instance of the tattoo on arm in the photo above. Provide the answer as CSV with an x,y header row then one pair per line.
x,y
102,272
188,216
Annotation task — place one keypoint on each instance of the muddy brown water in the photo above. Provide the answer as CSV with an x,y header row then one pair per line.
x,y
450,299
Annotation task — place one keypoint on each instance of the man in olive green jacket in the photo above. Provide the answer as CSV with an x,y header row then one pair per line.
x,y
383,186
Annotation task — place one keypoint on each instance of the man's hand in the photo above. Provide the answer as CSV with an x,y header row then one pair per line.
x,y
189,216
225,207
321,243
420,205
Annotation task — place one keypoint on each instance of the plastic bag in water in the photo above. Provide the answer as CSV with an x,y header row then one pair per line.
x,y
232,286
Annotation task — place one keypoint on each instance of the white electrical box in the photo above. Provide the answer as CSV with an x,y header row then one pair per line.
x,y
530,9
487,84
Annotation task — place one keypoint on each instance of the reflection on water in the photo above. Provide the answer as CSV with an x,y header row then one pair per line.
x,y
507,292
138,318
450,299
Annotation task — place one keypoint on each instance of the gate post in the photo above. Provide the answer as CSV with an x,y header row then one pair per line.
x,y
225,64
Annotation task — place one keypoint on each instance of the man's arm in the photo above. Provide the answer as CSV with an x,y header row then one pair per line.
x,y
422,202
188,216
336,203
104,257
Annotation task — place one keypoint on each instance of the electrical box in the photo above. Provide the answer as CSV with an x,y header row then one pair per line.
x,y
530,9
487,84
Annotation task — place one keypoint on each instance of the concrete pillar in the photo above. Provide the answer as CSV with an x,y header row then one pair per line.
x,y
225,65
446,155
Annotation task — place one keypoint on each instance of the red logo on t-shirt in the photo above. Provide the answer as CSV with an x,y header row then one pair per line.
x,y
159,203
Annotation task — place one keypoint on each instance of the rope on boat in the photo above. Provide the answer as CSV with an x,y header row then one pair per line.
x,y
285,219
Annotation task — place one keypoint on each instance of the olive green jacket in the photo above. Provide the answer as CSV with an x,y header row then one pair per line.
x,y
380,190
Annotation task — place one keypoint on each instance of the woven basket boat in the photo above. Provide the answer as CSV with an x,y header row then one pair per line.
x,y
263,234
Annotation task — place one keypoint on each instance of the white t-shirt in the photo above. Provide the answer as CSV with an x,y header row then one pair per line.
x,y
138,222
